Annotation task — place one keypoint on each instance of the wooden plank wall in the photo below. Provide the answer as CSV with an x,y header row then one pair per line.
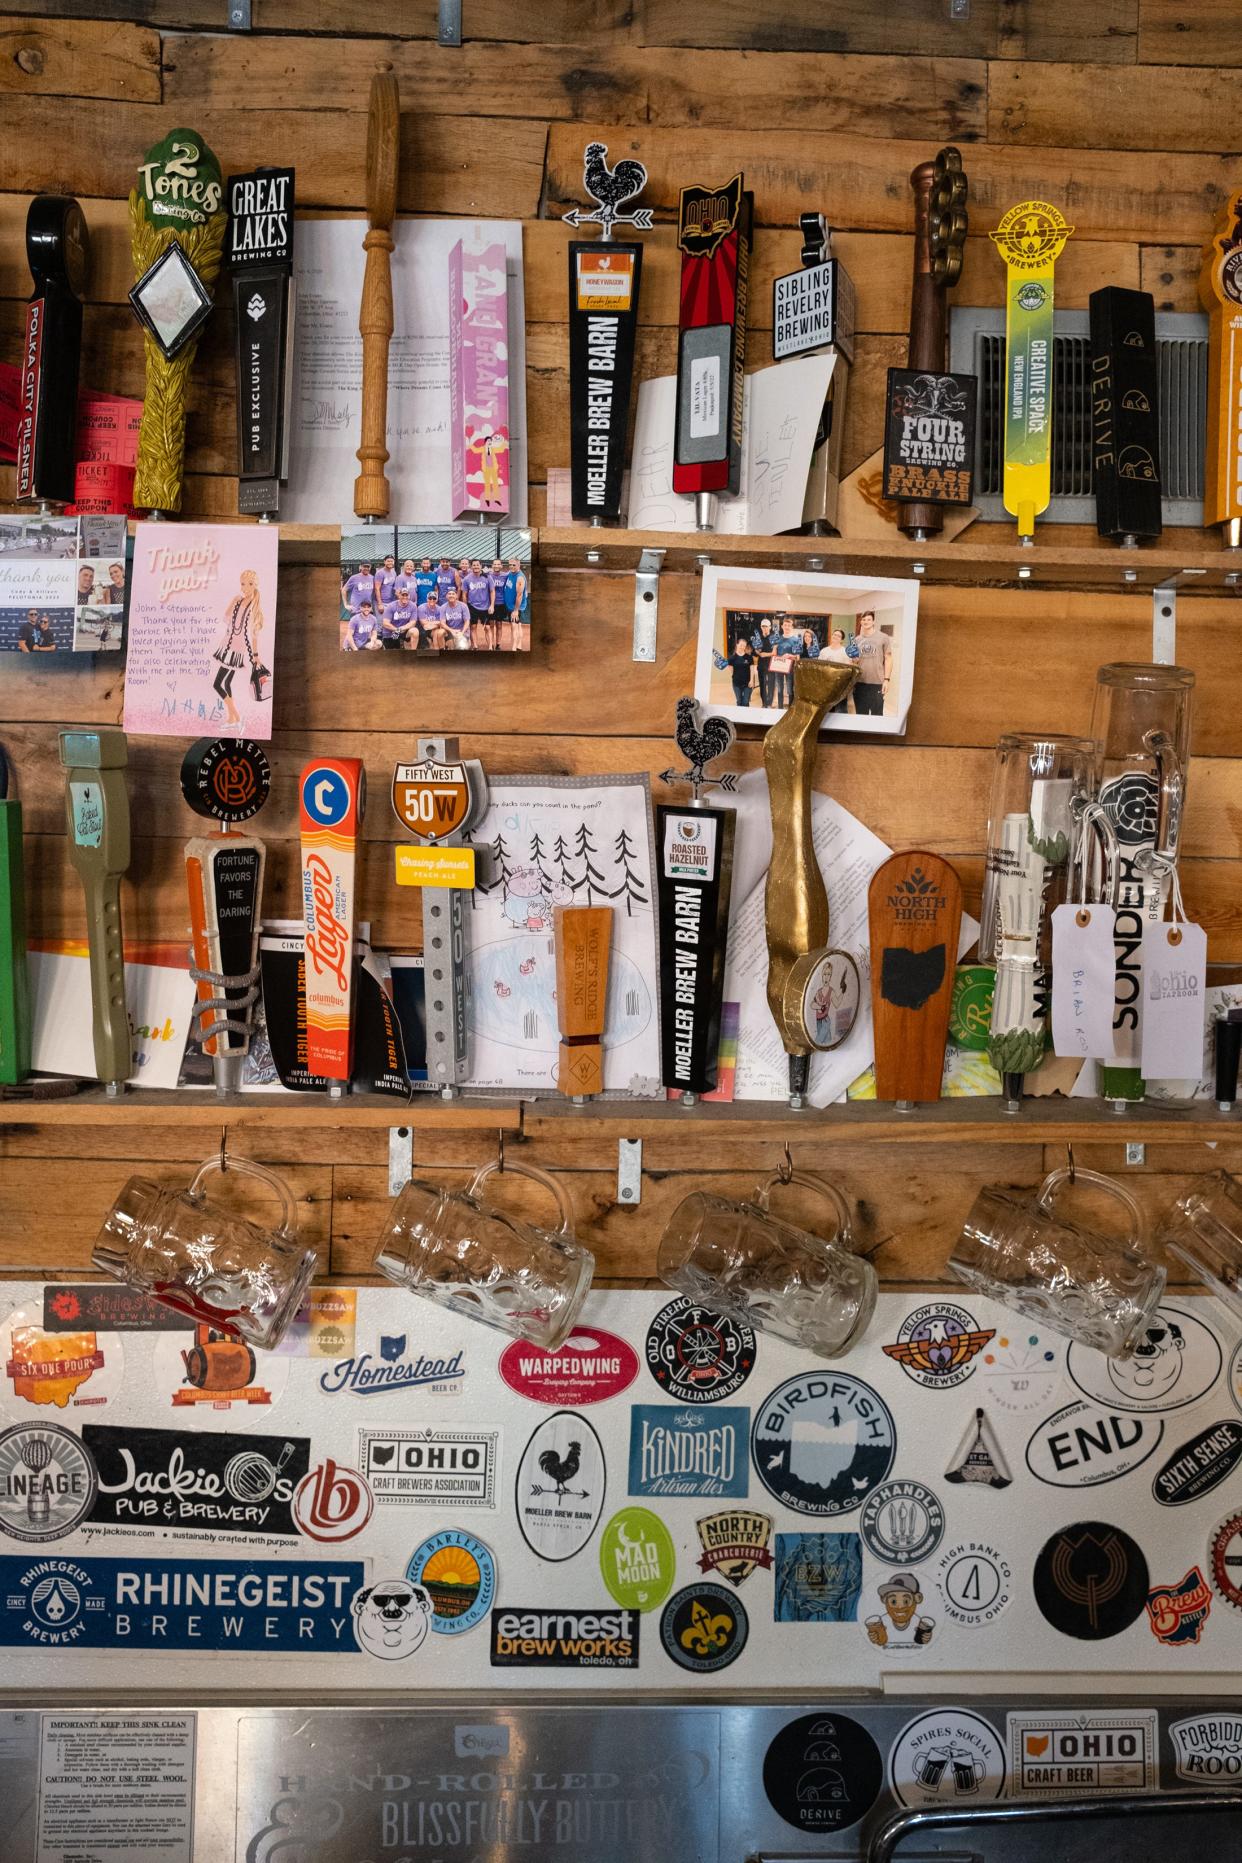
x,y
1115,111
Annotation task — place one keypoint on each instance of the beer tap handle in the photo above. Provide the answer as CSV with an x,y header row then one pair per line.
x,y
375,320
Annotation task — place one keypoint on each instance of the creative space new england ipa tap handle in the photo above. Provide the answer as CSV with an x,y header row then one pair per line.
x,y
375,316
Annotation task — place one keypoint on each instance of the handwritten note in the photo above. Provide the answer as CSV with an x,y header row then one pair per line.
x,y
781,411
1083,978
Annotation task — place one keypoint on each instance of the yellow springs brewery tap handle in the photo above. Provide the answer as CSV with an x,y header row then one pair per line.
x,y
1029,239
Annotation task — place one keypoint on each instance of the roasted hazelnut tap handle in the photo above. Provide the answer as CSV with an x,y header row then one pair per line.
x,y
375,317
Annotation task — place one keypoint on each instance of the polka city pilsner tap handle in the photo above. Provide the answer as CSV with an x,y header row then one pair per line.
x,y
1029,239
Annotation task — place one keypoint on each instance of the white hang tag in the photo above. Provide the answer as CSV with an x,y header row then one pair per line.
x,y
1083,982
1174,1000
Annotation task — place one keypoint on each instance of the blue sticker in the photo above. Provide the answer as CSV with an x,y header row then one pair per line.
x,y
325,796
178,1604
818,1578
458,1573
822,1441
691,1450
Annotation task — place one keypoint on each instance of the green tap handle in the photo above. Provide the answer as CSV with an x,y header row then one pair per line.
x,y
97,816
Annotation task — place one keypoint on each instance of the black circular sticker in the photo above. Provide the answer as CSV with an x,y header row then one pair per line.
x,y
226,779
1091,1580
822,1772
704,1627
698,1354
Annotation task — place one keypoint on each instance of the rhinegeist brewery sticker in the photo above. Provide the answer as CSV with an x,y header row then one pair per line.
x,y
591,1365
208,1481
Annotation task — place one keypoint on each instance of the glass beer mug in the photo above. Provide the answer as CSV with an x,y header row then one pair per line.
x,y
452,1247
740,1258
1204,1229
202,1260
1096,1289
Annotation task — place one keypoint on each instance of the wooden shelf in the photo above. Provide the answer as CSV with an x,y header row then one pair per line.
x,y
943,1122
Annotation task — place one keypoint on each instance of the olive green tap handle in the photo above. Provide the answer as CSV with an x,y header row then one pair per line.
x,y
97,817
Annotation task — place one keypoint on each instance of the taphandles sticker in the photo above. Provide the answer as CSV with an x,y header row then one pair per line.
x,y
560,1486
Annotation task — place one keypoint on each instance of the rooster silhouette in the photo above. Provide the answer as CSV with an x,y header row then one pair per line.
x,y
610,188
701,741
560,1470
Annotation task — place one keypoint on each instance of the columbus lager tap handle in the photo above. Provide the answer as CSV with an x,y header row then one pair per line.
x,y
375,318
97,813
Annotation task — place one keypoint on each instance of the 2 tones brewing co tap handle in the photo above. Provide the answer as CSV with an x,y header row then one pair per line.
x,y
375,317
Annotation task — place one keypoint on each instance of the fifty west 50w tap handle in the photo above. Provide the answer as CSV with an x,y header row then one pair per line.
x,y
97,813
375,316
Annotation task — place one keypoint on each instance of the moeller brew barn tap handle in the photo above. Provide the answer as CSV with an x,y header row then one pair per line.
x,y
375,317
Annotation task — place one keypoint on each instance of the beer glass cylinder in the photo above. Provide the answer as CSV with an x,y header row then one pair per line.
x,y
1141,721
1204,1229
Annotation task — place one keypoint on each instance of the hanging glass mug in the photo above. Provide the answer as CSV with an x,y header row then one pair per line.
x,y
744,1261
205,1261
452,1247
1041,783
1096,1289
1141,721
1204,1229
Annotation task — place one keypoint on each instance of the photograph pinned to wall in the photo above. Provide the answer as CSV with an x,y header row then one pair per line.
x,y
562,841
463,588
201,631
756,624
62,584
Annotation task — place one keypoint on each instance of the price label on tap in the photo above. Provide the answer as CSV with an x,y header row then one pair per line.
x,y
1174,1001
1083,982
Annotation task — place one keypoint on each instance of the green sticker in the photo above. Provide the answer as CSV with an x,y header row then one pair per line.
x,y
970,1010
637,1559
179,184
86,800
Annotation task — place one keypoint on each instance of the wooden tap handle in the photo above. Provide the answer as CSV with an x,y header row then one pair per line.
x,y
927,323
583,937
375,319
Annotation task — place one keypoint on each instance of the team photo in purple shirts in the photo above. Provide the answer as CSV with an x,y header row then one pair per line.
x,y
464,589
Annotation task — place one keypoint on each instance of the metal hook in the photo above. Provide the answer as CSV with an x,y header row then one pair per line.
x,y
1069,1152
786,1170
224,1136
500,1150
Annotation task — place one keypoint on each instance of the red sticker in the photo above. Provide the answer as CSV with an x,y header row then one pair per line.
x,y
590,1366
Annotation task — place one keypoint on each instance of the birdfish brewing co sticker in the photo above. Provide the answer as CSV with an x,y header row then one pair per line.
x,y
560,1487
689,1451
591,1366
698,1354
210,1481
637,1559
458,1573
47,1481
822,1441
937,1345
822,1772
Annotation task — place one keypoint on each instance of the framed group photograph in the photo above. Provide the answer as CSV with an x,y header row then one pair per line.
x,y
460,589
756,624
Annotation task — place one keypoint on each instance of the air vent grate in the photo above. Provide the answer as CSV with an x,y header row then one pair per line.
x,y
977,347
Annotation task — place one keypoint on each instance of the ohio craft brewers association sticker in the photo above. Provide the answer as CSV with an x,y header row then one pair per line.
x,y
975,1582
591,1365
560,1486
47,1481
637,1559
1091,1580
396,1366
948,1756
1175,1363
704,1628
1064,1755
822,1772
72,1370
822,1441
431,1467
818,1578
734,1543
937,1345
458,1573
697,1354
902,1521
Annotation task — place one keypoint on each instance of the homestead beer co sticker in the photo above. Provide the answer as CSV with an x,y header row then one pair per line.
x,y
560,1487
591,1366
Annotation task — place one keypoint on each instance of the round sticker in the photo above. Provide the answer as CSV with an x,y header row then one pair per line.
x,y
326,796
704,1628
899,1626
822,1772
1021,1371
637,1559
1081,1446
1175,1363
79,1370
937,1345
974,1582
391,1618
1225,1560
830,999
47,1481
591,1365
1091,1580
902,1522
947,1756
560,1486
332,1502
822,1441
458,1573
970,1007
698,1354
201,1373
1235,1375
226,779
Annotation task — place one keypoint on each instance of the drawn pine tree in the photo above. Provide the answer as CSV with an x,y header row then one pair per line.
x,y
502,872
561,855
538,855
590,878
631,887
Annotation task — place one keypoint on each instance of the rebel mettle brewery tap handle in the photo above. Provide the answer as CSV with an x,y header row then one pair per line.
x,y
58,253
375,317
795,898
97,815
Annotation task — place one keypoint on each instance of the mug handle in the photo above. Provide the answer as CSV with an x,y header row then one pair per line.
x,y
1095,847
1171,781
1054,1180
809,1181
246,1167
518,1169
